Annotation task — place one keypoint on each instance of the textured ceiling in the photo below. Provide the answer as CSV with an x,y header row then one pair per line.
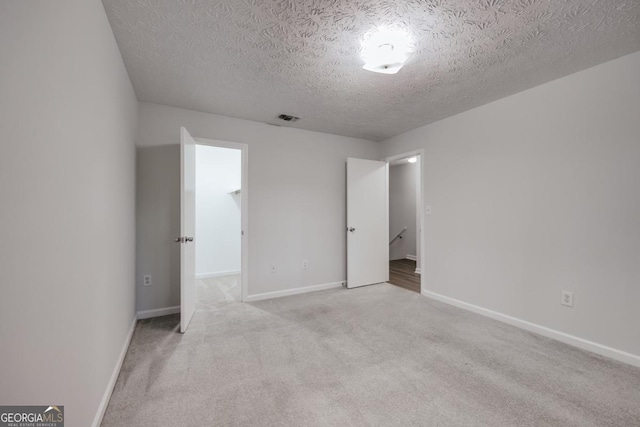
x,y
255,59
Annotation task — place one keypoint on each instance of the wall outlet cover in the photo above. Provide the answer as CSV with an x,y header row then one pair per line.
x,y
146,280
567,298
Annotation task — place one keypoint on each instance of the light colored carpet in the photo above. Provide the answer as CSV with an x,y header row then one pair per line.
x,y
214,292
379,355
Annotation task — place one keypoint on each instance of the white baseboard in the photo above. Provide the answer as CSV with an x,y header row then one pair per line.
x,y
218,274
114,376
591,346
147,314
411,257
295,291
418,271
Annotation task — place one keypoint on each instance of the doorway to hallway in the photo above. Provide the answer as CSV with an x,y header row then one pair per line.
x,y
405,222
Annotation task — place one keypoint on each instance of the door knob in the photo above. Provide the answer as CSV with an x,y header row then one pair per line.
x,y
351,229
183,239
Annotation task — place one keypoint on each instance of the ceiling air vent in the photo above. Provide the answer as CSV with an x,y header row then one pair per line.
x,y
288,118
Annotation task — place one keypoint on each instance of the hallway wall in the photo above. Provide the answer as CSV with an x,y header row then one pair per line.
x,y
67,180
297,201
402,209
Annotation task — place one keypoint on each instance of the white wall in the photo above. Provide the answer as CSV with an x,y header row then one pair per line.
x,y
538,193
157,224
296,209
67,162
402,209
217,239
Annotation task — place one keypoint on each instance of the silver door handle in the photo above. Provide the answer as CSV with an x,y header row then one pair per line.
x,y
183,239
351,229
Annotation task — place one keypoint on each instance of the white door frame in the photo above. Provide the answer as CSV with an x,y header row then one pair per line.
x,y
244,207
420,211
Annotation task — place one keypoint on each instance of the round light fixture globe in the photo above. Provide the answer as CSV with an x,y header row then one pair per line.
x,y
385,50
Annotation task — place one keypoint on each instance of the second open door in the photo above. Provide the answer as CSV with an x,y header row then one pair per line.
x,y
367,222
187,229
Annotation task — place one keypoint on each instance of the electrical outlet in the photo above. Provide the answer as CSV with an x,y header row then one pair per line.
x,y
567,298
305,264
146,280
273,269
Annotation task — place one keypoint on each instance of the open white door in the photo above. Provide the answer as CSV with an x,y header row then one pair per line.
x,y
187,228
367,222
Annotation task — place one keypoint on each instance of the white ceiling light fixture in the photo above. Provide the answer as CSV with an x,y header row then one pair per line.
x,y
385,50
412,159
